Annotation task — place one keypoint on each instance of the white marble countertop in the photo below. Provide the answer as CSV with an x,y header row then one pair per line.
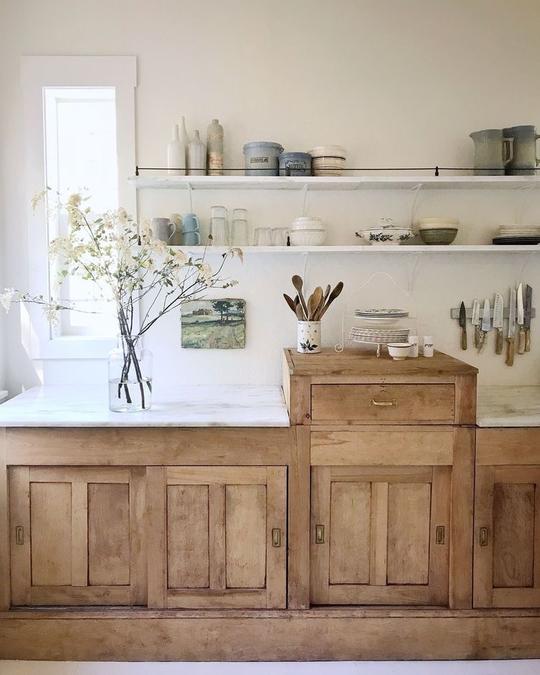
x,y
183,406
504,406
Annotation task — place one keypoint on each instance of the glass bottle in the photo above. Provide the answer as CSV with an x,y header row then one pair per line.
x,y
130,376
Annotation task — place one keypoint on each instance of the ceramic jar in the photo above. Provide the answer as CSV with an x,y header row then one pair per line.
x,y
308,337
491,152
262,158
295,164
328,160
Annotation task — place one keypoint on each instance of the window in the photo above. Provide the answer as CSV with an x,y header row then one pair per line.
x,y
80,135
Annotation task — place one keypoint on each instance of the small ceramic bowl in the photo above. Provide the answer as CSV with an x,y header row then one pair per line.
x,y
438,236
307,237
386,235
399,351
307,223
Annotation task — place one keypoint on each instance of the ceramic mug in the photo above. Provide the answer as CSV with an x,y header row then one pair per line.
x,y
308,337
191,239
164,230
190,223
525,158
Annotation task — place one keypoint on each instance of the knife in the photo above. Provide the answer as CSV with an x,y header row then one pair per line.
x,y
498,314
463,325
510,340
527,321
476,321
486,324
520,320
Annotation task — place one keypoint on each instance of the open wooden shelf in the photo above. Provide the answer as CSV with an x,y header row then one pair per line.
x,y
291,250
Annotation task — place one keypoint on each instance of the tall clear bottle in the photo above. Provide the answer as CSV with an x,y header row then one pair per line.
x,y
196,156
214,148
176,154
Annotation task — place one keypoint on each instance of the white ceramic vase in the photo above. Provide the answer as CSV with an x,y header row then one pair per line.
x,y
308,337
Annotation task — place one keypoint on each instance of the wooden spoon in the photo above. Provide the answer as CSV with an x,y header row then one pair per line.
x,y
290,302
314,303
333,295
298,309
298,284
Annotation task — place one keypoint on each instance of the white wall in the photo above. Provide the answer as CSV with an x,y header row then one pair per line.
x,y
397,83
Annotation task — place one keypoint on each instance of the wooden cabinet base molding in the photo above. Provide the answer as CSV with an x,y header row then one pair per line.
x,y
306,635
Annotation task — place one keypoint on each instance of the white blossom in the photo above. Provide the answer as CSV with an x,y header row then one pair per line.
x,y
7,298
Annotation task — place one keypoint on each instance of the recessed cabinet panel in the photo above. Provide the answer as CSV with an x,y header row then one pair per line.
x,y
380,535
77,536
507,537
225,536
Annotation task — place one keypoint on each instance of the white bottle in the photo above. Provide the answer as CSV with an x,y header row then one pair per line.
x,y
196,156
413,352
176,155
184,137
428,346
214,147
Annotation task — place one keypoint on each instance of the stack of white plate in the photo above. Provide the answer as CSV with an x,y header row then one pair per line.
x,y
379,335
382,316
517,234
328,160
307,231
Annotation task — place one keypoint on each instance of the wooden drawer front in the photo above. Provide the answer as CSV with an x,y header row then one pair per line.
x,y
374,403
398,446
380,535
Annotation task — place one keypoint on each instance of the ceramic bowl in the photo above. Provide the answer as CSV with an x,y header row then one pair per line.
x,y
437,223
399,350
438,236
307,223
386,235
307,237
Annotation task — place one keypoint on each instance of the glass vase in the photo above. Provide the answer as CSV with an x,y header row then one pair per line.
x,y
130,376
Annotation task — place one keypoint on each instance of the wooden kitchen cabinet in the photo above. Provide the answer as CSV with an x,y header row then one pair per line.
x,y
77,536
224,533
507,519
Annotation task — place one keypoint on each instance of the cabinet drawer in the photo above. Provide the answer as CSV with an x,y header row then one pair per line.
x,y
374,403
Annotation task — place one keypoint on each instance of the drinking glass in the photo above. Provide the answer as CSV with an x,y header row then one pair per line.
x,y
219,232
279,236
263,236
240,232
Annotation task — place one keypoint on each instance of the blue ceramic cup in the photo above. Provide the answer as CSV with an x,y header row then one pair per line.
x,y
190,223
191,238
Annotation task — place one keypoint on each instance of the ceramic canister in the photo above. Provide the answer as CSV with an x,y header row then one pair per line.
x,y
309,337
262,158
295,164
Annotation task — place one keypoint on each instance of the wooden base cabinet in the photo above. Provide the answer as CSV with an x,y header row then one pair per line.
x,y
77,536
223,537
380,535
507,519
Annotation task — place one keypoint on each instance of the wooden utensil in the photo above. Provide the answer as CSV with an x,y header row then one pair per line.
x,y
314,302
290,302
298,309
298,284
333,295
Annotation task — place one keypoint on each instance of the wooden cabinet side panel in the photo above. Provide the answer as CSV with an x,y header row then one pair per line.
x,y
19,509
156,535
465,406
483,540
5,543
298,541
461,520
276,544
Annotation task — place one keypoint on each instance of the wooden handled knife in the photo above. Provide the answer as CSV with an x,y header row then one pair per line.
x,y
510,340
463,325
475,320
498,314
527,317
486,325
521,320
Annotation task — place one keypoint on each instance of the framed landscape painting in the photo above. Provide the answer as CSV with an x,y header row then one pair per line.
x,y
214,324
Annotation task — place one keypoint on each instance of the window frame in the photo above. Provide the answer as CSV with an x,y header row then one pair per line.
x,y
38,72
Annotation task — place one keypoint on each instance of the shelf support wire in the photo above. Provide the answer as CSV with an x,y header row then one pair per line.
x,y
416,194
304,199
190,197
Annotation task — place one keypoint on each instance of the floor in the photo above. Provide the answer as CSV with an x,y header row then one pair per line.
x,y
531,667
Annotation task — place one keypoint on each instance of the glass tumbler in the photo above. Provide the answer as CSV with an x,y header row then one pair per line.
x,y
239,233
279,236
219,232
263,236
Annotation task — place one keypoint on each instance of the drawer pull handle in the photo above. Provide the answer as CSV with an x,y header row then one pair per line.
x,y
319,534
440,534
483,536
276,537
383,404
19,535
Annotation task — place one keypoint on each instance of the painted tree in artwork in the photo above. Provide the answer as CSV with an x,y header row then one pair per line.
x,y
223,307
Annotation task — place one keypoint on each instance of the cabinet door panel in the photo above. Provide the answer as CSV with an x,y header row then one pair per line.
x,y
50,518
507,537
225,534
187,536
108,534
408,533
350,505
77,536
374,535
245,527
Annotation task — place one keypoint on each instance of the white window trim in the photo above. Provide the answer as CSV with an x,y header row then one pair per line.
x,y
69,71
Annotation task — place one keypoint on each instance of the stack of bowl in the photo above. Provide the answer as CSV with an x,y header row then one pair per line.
x,y
328,160
307,231
437,231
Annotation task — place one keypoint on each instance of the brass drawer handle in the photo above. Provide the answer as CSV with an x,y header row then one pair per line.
x,y
383,404
276,537
440,534
19,535
319,534
483,538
